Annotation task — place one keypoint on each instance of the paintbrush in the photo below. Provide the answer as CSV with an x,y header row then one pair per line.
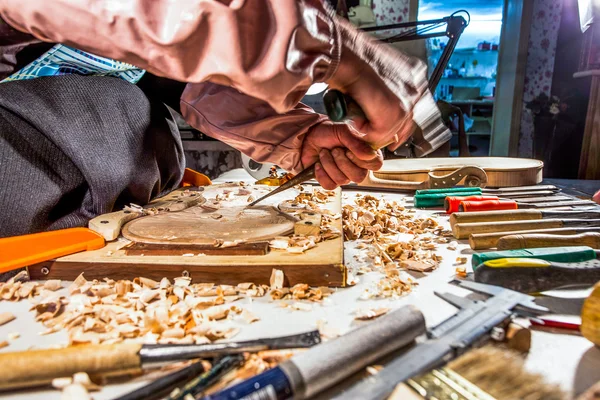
x,y
487,373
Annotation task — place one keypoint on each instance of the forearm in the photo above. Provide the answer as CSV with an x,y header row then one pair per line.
x,y
270,49
249,124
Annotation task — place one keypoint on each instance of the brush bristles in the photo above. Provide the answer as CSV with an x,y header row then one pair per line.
x,y
501,373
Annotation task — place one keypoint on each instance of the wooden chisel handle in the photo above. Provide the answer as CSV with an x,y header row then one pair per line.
x,y
462,231
482,241
533,240
38,367
493,216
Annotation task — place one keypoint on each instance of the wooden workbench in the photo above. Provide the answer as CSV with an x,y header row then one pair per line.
x,y
568,360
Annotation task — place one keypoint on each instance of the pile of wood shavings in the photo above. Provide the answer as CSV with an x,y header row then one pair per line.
x,y
311,201
378,224
144,310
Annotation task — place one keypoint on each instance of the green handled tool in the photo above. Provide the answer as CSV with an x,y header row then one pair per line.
x,y
339,106
531,275
558,254
454,191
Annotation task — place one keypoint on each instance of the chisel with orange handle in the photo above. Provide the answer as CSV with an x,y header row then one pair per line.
x,y
483,241
463,230
490,205
520,215
452,203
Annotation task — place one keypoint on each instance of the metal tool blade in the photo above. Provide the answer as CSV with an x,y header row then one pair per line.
x,y
455,300
165,353
557,204
306,175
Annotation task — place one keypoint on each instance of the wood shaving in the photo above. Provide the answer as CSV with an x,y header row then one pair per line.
x,y
146,310
14,335
461,272
250,199
243,192
75,391
276,279
61,383
461,260
301,291
249,317
301,306
363,315
3,344
326,330
6,317
374,369
379,223
453,245
53,285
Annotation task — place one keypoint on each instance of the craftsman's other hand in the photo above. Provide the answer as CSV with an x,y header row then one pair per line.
x,y
387,122
341,154
596,197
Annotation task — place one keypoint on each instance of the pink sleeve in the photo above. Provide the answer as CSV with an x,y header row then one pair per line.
x,y
249,124
269,49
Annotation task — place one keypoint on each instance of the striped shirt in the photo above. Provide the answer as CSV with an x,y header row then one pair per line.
x,y
65,60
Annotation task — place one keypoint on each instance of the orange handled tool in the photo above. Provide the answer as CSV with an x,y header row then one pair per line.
x,y
452,203
488,205
22,251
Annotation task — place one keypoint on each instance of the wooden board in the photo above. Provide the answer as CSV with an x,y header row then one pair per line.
x,y
320,266
202,226
414,173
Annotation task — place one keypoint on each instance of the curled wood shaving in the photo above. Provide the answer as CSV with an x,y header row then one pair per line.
x,y
6,317
363,315
461,260
3,344
277,279
249,317
461,272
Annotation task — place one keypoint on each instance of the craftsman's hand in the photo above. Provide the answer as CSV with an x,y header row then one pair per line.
x,y
596,197
387,121
341,154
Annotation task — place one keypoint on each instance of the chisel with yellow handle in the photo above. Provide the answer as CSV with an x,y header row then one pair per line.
x,y
520,215
463,230
482,241
533,240
530,275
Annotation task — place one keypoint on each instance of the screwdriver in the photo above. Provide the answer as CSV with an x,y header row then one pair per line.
x,y
530,275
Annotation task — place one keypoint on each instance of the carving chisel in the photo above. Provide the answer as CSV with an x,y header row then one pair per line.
x,y
463,230
482,241
558,254
455,191
530,275
529,240
339,107
520,215
452,203
38,367
490,205
430,200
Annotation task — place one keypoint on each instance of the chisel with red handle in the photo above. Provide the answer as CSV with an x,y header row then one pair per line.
x,y
489,205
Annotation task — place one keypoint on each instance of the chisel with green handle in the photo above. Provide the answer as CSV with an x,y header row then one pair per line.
x,y
531,275
558,254
454,191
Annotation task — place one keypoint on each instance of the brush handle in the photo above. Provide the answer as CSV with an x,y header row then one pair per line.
x,y
494,216
483,241
526,241
462,231
38,367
